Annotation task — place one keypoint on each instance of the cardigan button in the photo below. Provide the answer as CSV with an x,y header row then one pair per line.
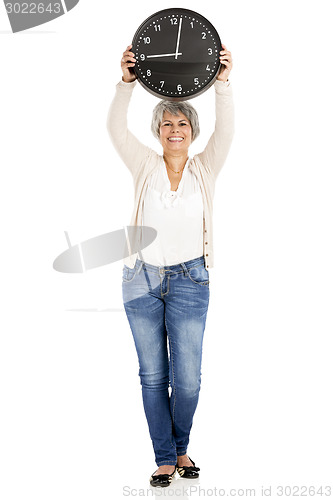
x,y
206,242
206,254
205,230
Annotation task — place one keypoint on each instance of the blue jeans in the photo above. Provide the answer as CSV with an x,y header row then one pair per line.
x,y
168,303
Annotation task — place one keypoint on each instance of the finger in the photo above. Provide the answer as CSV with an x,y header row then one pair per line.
x,y
225,58
127,58
225,54
128,54
127,65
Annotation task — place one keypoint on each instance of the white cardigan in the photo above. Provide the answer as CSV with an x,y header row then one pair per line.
x,y
142,161
177,217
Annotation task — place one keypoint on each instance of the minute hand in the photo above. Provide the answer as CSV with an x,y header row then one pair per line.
x,y
178,38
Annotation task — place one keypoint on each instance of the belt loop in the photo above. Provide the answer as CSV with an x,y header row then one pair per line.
x,y
184,269
142,265
139,267
147,278
141,259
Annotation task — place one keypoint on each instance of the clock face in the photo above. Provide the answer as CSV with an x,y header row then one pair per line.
x,y
177,54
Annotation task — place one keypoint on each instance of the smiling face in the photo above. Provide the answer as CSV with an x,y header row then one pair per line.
x,y
175,132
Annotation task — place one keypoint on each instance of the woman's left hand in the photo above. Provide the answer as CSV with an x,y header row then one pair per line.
x,y
226,61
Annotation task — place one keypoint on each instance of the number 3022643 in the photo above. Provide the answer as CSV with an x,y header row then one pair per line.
x,y
32,8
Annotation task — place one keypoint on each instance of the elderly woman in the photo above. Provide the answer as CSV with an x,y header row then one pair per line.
x,y
165,285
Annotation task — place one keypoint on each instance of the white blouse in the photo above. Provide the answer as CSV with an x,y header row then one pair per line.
x,y
177,217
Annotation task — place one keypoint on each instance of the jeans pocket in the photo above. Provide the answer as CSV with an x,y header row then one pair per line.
x,y
128,274
199,275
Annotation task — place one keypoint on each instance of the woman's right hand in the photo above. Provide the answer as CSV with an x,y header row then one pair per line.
x,y
127,63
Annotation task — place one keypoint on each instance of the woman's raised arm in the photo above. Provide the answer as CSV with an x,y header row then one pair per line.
x,y
215,153
129,148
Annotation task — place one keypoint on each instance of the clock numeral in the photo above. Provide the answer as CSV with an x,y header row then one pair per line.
x,y
146,39
179,88
191,23
162,83
207,67
148,72
142,57
203,35
157,27
174,20
196,81
210,51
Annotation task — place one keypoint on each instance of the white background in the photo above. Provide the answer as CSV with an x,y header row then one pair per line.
x,y
72,419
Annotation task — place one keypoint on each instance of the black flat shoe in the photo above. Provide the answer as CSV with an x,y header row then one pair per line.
x,y
188,471
162,479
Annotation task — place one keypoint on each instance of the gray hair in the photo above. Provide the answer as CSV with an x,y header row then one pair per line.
x,y
174,107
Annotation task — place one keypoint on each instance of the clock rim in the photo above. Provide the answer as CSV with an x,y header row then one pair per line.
x,y
176,98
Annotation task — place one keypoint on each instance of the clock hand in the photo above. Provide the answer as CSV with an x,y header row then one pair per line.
x,y
178,38
165,55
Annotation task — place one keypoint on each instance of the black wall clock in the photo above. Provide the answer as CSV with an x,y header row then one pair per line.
x,y
177,54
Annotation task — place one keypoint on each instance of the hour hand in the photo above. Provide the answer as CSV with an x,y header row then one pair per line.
x,y
166,55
